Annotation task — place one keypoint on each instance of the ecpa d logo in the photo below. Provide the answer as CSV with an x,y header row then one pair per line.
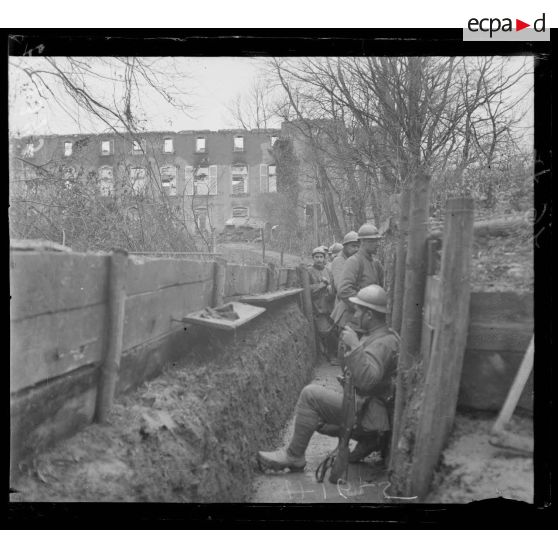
x,y
503,29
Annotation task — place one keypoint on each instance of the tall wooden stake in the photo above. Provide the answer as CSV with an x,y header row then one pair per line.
x,y
219,276
400,256
415,282
115,329
307,304
272,277
446,360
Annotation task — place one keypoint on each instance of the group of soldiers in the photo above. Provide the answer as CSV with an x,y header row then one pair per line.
x,y
352,265
349,307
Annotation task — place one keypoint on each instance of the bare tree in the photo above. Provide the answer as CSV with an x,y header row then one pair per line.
x,y
254,109
397,115
104,95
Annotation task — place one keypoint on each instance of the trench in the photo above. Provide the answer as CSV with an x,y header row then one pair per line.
x,y
192,433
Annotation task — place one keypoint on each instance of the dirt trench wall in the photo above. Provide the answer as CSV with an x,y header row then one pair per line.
x,y
190,435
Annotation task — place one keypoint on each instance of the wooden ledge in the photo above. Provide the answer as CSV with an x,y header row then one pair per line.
x,y
266,298
245,312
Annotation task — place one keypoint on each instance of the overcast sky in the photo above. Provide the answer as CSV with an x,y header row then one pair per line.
x,y
211,85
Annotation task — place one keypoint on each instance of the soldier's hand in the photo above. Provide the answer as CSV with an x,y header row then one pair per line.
x,y
349,337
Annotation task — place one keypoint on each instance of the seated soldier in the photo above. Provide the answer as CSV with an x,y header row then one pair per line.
x,y
371,352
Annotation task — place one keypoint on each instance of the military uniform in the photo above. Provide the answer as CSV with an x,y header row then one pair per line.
x,y
322,305
360,270
372,364
336,269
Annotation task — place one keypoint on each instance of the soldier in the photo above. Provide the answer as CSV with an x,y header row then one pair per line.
x,y
334,250
348,248
372,361
322,301
360,270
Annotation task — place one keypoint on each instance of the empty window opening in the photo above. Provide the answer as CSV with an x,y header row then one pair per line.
x,y
106,147
168,145
138,179
239,143
200,145
168,180
272,178
138,147
201,181
239,175
202,220
106,181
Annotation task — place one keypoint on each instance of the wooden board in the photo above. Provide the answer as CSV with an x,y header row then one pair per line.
x,y
46,346
266,298
245,279
149,315
501,307
512,337
283,275
146,275
49,412
49,282
245,312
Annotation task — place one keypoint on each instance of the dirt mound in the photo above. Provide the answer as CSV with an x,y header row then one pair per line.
x,y
472,469
191,434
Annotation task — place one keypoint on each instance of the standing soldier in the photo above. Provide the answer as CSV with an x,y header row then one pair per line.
x,y
348,248
322,301
334,250
360,270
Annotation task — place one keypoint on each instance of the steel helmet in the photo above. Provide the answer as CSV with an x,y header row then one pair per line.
x,y
351,236
368,231
335,248
319,250
373,297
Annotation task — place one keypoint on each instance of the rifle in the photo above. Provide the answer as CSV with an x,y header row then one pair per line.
x,y
340,465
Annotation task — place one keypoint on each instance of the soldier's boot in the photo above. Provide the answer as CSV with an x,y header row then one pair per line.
x,y
280,459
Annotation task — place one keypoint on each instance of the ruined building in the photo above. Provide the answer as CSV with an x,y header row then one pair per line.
x,y
214,178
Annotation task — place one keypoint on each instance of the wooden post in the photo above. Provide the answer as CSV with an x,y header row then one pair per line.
x,y
516,389
415,282
307,303
272,277
292,278
446,361
282,253
219,276
115,328
400,256
263,244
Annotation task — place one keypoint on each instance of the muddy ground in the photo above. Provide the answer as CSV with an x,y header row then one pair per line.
x,y
472,469
366,480
192,434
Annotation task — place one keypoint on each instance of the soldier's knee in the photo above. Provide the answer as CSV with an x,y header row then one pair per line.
x,y
310,394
